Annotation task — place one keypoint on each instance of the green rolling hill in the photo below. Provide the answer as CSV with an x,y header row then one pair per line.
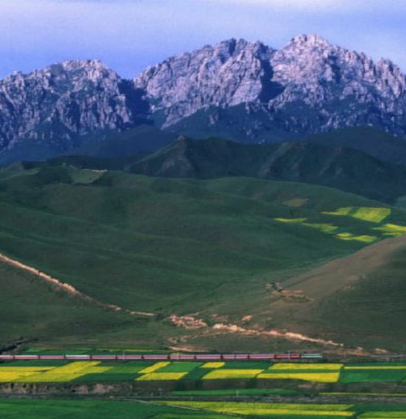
x,y
166,247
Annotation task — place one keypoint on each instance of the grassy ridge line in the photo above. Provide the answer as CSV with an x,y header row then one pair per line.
x,y
66,287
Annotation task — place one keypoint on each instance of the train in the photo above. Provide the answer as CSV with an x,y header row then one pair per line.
x,y
166,357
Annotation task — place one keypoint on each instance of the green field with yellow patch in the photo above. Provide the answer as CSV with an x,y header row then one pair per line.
x,y
367,233
174,371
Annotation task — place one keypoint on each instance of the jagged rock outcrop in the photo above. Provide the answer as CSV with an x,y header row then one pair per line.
x,y
308,86
64,100
227,74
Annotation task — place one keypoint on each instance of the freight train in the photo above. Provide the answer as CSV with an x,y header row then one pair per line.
x,y
166,357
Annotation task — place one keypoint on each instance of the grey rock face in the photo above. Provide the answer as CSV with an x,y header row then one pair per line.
x,y
63,100
227,74
308,86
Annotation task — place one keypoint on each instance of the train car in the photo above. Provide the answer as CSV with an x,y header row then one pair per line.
x,y
170,357
26,357
103,357
6,357
208,357
311,356
77,357
52,357
155,357
261,357
124,357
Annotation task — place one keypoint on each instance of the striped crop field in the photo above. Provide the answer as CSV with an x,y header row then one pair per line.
x,y
301,367
363,225
225,374
282,410
93,371
90,409
330,377
391,230
372,215
213,365
162,376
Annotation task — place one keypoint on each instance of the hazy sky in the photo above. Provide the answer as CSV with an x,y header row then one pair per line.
x,y
129,35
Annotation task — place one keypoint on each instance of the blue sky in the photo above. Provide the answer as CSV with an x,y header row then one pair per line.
x,y
129,35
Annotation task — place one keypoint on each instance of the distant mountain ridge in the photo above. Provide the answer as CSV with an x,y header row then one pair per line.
x,y
338,167
245,91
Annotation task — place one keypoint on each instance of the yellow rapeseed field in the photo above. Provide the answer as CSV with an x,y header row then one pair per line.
x,y
287,412
277,409
73,367
95,370
291,220
372,215
24,369
381,367
163,376
213,365
221,374
350,237
7,376
330,377
50,378
65,373
392,230
291,367
154,367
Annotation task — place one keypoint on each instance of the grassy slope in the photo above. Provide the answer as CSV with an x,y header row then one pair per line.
x,y
34,311
159,245
357,300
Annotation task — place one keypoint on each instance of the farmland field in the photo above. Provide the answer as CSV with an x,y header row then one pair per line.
x,y
177,409
288,410
93,371
84,409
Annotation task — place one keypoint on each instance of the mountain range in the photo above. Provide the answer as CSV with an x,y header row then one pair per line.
x,y
236,89
255,191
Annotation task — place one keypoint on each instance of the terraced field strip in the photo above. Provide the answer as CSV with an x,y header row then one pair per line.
x,y
392,230
321,373
372,215
315,377
162,376
154,367
300,367
269,409
213,365
224,374
65,373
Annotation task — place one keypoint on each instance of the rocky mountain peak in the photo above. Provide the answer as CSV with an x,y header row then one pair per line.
x,y
312,40
226,74
62,100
